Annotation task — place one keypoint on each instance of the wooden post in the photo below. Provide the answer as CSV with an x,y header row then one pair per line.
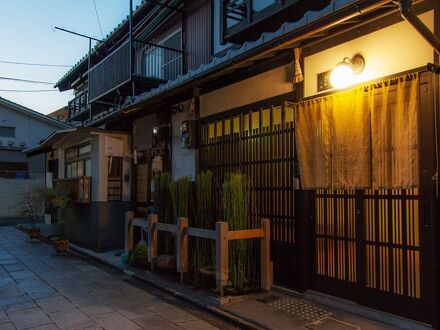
x,y
129,215
221,256
266,263
152,239
182,247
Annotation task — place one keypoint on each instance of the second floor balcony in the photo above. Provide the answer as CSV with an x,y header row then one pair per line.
x,y
152,65
78,107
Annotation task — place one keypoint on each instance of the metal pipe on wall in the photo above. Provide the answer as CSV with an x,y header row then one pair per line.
x,y
418,25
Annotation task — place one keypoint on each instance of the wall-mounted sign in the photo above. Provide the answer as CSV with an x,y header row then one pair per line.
x,y
113,147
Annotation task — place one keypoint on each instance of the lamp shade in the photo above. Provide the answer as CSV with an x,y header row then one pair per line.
x,y
342,75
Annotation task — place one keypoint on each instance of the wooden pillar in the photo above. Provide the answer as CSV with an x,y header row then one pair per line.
x,y
221,256
129,215
152,239
266,263
182,247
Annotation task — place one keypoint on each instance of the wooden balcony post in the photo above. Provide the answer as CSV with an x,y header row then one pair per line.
x,y
129,230
182,247
221,256
152,239
266,263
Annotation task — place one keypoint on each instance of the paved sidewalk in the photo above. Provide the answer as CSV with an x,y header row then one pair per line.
x,y
40,289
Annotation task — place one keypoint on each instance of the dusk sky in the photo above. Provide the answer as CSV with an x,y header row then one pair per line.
x,y
27,35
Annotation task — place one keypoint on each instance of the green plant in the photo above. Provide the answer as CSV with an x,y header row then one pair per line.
x,y
162,197
31,203
138,256
180,190
164,209
243,256
203,253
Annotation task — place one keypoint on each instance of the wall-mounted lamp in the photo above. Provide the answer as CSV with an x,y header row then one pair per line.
x,y
344,73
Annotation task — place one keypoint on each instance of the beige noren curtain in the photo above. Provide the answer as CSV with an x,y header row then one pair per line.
x,y
363,138
394,126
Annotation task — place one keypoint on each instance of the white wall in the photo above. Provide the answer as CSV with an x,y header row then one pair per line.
x,y
183,159
263,86
391,50
10,191
28,129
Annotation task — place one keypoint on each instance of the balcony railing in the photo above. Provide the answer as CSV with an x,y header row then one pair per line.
x,y
152,63
77,189
78,106
157,62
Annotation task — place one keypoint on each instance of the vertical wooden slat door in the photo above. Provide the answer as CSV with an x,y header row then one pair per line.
x,y
371,246
259,143
367,248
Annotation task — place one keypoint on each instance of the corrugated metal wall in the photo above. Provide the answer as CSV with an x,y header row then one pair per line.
x,y
197,28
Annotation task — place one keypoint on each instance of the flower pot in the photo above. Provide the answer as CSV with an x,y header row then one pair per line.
x,y
62,245
165,262
33,233
207,277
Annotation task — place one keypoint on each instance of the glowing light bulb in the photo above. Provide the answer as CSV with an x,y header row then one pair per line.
x,y
342,75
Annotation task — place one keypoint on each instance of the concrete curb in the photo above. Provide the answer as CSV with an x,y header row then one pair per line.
x,y
208,303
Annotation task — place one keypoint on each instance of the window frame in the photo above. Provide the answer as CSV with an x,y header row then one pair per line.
x,y
74,161
14,131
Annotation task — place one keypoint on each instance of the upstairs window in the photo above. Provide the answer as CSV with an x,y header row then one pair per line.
x,y
259,5
6,131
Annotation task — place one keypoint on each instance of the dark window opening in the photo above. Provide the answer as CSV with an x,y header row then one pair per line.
x,y
10,170
6,131
114,179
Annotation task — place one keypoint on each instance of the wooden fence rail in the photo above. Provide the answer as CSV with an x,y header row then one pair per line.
x,y
221,235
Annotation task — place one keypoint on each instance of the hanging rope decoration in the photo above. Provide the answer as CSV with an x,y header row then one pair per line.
x,y
298,76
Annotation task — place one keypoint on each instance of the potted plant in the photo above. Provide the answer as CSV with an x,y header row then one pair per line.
x,y
60,241
31,204
138,257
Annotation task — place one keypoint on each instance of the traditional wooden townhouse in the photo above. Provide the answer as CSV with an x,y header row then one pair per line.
x,y
331,108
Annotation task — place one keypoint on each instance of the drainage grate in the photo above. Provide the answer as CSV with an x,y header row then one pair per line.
x,y
297,307
328,323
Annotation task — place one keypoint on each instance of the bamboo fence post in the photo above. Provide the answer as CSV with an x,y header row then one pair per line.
x,y
221,256
129,215
266,263
182,247
152,239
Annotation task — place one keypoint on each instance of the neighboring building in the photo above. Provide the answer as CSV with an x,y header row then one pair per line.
x,y
21,128
348,178
60,114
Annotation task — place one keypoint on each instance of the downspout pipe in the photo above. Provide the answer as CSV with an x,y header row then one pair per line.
x,y
406,13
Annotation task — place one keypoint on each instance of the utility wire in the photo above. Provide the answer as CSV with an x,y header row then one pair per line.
x,y
97,17
28,90
36,64
28,81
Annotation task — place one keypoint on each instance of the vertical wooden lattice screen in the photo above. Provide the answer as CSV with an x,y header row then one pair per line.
x,y
260,144
388,229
